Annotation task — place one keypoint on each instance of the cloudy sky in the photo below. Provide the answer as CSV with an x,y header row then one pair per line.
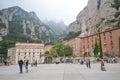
x,y
57,10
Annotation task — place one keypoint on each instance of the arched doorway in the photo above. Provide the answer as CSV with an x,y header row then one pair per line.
x,y
48,59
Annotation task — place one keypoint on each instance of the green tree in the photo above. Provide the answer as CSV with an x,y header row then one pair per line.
x,y
4,45
53,52
59,49
68,51
96,49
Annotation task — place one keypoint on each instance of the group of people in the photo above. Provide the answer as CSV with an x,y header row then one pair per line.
x,y
26,62
21,63
7,62
87,61
112,60
88,64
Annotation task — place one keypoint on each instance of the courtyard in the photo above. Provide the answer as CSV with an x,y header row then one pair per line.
x,y
61,72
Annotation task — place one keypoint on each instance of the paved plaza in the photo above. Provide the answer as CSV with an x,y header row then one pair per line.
x,y
61,72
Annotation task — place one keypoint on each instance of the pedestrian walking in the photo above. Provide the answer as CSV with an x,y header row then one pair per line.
x,y
103,66
88,63
20,62
5,62
26,65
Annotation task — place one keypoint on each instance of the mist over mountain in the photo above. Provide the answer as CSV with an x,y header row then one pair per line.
x,y
57,27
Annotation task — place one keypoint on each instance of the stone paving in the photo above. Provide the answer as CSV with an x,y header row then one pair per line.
x,y
61,72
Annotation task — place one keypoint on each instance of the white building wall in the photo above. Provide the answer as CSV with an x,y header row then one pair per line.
x,y
29,51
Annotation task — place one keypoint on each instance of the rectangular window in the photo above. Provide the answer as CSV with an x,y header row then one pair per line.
x,y
104,34
110,36
92,46
17,50
88,46
112,47
104,38
111,42
110,32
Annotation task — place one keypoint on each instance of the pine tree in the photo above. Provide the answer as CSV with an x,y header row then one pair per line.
x,y
96,49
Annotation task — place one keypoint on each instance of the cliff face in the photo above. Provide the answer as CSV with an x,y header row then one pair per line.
x,y
15,22
98,14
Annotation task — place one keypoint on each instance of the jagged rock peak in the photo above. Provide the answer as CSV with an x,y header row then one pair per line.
x,y
15,20
98,14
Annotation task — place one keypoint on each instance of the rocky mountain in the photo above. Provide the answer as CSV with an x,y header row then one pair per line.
x,y
57,27
97,15
20,25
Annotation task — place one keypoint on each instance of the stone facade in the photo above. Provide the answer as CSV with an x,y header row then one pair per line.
x,y
27,51
75,44
47,48
109,39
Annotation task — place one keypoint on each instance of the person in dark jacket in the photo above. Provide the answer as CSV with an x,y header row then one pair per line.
x,y
88,63
103,66
26,65
20,62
